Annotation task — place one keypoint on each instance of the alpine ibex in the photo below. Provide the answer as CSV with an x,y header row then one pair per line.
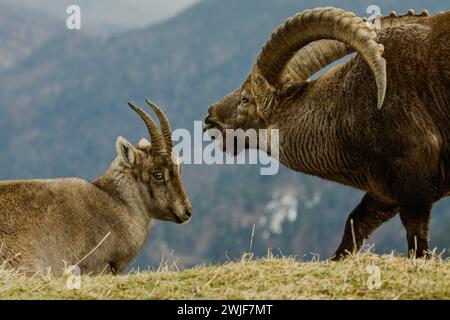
x,y
53,223
379,122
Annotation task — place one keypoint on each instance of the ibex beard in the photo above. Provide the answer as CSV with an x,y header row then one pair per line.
x,y
55,223
264,145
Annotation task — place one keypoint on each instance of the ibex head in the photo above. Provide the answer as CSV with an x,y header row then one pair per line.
x,y
153,171
300,47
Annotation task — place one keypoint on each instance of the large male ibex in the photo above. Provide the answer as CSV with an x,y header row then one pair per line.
x,y
100,225
379,122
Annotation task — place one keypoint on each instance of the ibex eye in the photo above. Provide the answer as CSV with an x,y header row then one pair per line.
x,y
158,175
244,99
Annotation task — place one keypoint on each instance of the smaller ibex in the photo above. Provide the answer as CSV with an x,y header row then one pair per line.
x,y
58,223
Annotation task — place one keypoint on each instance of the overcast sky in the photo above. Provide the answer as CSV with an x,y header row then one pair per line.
x,y
108,16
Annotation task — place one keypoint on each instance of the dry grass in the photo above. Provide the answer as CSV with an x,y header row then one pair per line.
x,y
269,278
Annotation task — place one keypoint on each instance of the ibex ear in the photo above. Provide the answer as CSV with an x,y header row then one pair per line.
x,y
263,92
125,152
144,143
260,84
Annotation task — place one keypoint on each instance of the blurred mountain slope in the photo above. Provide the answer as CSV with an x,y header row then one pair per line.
x,y
21,32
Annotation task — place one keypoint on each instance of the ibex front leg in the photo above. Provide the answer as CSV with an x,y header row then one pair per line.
x,y
415,218
364,219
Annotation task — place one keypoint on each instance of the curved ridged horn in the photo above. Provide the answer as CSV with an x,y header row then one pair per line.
x,y
158,145
165,125
314,57
394,20
319,54
316,24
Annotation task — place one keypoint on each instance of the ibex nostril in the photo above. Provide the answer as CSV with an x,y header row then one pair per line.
x,y
188,213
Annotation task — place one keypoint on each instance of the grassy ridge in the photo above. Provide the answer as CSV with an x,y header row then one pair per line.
x,y
269,278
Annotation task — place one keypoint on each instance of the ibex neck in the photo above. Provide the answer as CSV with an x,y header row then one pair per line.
x,y
314,138
121,189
